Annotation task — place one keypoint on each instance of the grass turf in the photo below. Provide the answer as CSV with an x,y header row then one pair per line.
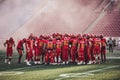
x,y
45,72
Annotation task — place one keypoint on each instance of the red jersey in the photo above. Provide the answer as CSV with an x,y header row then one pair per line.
x,y
58,44
9,44
49,44
88,43
97,42
66,41
74,42
81,44
20,45
40,43
103,42
29,44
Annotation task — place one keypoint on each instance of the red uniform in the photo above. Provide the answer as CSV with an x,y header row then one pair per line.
x,y
9,50
81,47
58,49
88,48
36,51
20,46
74,49
103,49
92,49
97,49
40,47
97,46
29,49
20,49
49,56
65,49
103,45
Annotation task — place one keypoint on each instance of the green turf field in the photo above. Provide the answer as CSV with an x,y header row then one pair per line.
x,y
108,71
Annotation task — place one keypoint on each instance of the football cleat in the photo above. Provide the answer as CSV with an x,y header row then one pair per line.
x,y
28,64
5,60
35,62
9,62
38,62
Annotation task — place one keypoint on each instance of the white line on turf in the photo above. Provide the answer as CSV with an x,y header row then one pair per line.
x,y
65,75
26,67
113,57
84,74
11,72
15,71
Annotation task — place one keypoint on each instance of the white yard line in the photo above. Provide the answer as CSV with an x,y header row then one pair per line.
x,y
15,71
26,67
113,57
84,74
10,73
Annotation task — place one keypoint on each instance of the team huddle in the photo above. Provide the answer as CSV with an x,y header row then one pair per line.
x,y
59,49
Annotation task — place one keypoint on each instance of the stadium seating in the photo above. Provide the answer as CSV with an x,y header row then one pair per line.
x,y
109,25
67,16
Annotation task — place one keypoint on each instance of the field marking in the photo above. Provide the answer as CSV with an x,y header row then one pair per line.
x,y
15,71
113,57
43,65
84,74
62,75
11,73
